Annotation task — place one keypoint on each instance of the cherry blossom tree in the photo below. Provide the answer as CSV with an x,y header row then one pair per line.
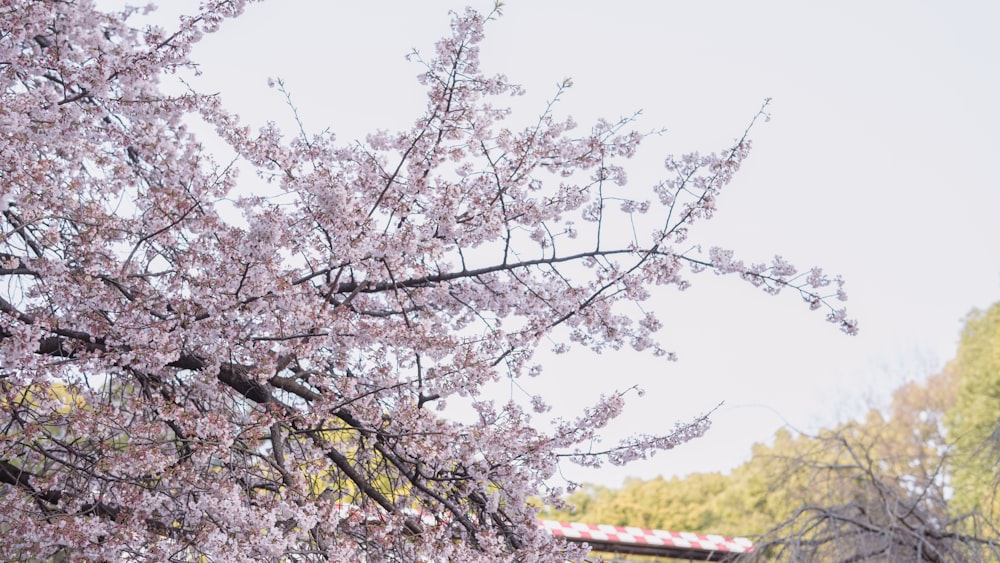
x,y
193,371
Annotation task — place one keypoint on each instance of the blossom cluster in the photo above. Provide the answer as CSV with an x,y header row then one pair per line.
x,y
181,384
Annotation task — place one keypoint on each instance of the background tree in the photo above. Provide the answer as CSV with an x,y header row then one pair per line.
x,y
974,420
271,383
747,501
895,485
688,504
877,488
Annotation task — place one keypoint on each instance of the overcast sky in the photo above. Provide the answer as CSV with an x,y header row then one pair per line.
x,y
879,163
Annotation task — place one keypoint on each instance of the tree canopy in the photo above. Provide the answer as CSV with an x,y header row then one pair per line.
x,y
190,370
975,419
913,480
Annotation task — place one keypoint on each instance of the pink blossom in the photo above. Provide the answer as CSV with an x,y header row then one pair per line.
x,y
192,371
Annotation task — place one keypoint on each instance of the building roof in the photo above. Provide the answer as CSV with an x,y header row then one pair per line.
x,y
641,541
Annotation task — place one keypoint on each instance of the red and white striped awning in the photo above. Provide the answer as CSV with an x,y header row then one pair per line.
x,y
622,539
640,541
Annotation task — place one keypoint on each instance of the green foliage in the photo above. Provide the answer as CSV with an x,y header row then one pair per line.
x,y
915,480
973,422
874,480
677,504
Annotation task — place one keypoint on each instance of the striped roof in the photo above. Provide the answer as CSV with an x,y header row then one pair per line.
x,y
641,541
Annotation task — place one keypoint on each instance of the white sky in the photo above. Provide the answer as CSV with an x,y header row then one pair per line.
x,y
878,163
